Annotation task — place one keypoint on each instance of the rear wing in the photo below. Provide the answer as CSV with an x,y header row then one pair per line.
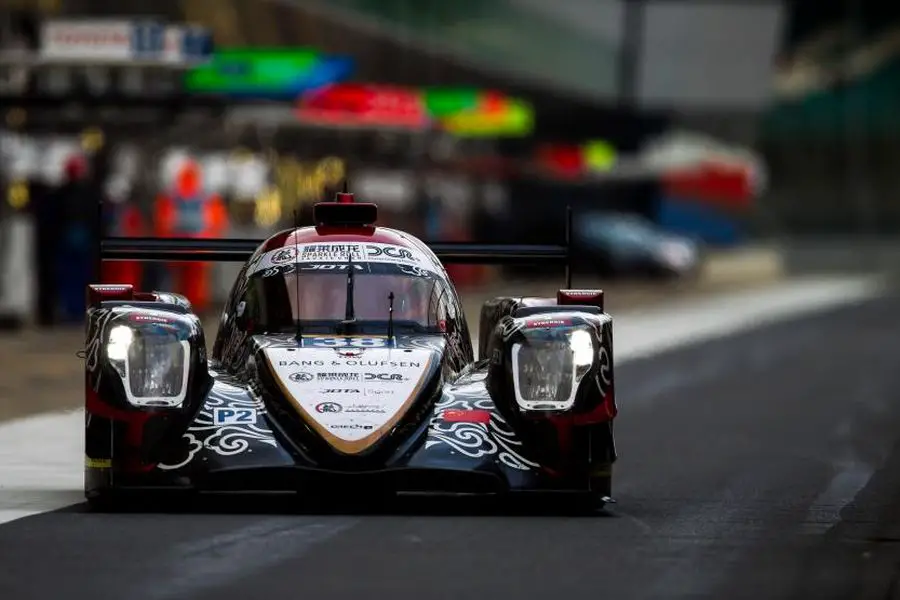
x,y
240,250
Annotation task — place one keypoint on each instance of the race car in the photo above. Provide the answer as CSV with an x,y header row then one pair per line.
x,y
343,361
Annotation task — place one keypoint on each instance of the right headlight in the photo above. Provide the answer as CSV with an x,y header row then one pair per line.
x,y
547,371
153,362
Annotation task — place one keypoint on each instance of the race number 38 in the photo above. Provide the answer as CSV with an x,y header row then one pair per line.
x,y
351,342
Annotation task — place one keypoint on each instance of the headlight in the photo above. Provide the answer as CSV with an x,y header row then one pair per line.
x,y
547,372
152,362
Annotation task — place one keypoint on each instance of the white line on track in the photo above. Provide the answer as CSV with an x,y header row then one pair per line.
x,y
41,457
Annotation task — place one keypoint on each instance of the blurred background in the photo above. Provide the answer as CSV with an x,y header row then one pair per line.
x,y
699,143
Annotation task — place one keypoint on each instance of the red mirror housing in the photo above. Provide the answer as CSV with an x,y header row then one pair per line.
x,y
580,297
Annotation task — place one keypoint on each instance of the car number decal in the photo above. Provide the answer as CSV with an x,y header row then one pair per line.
x,y
352,342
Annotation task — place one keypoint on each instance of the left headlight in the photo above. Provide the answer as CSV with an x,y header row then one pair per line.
x,y
547,372
154,364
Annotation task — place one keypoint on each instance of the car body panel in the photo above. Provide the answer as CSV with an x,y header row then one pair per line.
x,y
309,410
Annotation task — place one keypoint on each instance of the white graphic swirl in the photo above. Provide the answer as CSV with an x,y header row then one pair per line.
x,y
224,440
470,439
476,440
100,319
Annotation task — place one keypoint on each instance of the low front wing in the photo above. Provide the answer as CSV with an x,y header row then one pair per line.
x,y
232,444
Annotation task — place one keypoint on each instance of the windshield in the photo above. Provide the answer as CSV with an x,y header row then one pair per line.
x,y
317,293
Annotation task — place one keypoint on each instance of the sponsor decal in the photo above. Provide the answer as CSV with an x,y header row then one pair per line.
x,y
394,364
149,318
332,267
466,416
284,255
234,416
329,407
115,289
301,376
276,270
392,252
369,409
335,407
337,376
331,252
97,463
340,253
352,426
414,271
377,392
547,323
590,297
385,377
581,293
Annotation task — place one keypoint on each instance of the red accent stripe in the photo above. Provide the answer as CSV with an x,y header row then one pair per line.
x,y
134,436
466,416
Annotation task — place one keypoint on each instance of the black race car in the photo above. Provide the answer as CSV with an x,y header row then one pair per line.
x,y
343,357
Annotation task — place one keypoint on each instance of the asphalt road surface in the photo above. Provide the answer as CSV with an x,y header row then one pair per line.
x,y
759,466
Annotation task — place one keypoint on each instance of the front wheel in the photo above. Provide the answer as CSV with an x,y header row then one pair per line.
x,y
106,502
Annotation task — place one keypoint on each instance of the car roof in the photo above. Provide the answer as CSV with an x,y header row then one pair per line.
x,y
366,234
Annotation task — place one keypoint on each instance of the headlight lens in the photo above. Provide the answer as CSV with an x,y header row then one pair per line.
x,y
152,362
547,372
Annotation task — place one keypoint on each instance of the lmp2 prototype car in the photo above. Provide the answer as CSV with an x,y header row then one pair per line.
x,y
343,358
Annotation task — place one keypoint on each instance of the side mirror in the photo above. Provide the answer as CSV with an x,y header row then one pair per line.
x,y
580,297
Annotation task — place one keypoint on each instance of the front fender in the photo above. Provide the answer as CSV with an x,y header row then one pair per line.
x,y
120,435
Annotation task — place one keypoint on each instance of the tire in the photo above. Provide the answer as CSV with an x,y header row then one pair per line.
x,y
119,501
106,502
581,504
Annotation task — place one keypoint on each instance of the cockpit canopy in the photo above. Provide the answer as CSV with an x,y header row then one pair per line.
x,y
313,282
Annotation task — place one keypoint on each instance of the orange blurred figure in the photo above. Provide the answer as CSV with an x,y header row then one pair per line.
x,y
191,213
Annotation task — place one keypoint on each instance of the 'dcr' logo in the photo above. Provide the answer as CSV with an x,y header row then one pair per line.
x,y
384,377
329,407
390,252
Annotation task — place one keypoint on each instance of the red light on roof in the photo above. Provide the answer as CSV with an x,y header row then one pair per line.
x,y
344,198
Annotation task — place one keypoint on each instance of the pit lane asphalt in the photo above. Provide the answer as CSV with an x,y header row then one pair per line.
x,y
758,466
